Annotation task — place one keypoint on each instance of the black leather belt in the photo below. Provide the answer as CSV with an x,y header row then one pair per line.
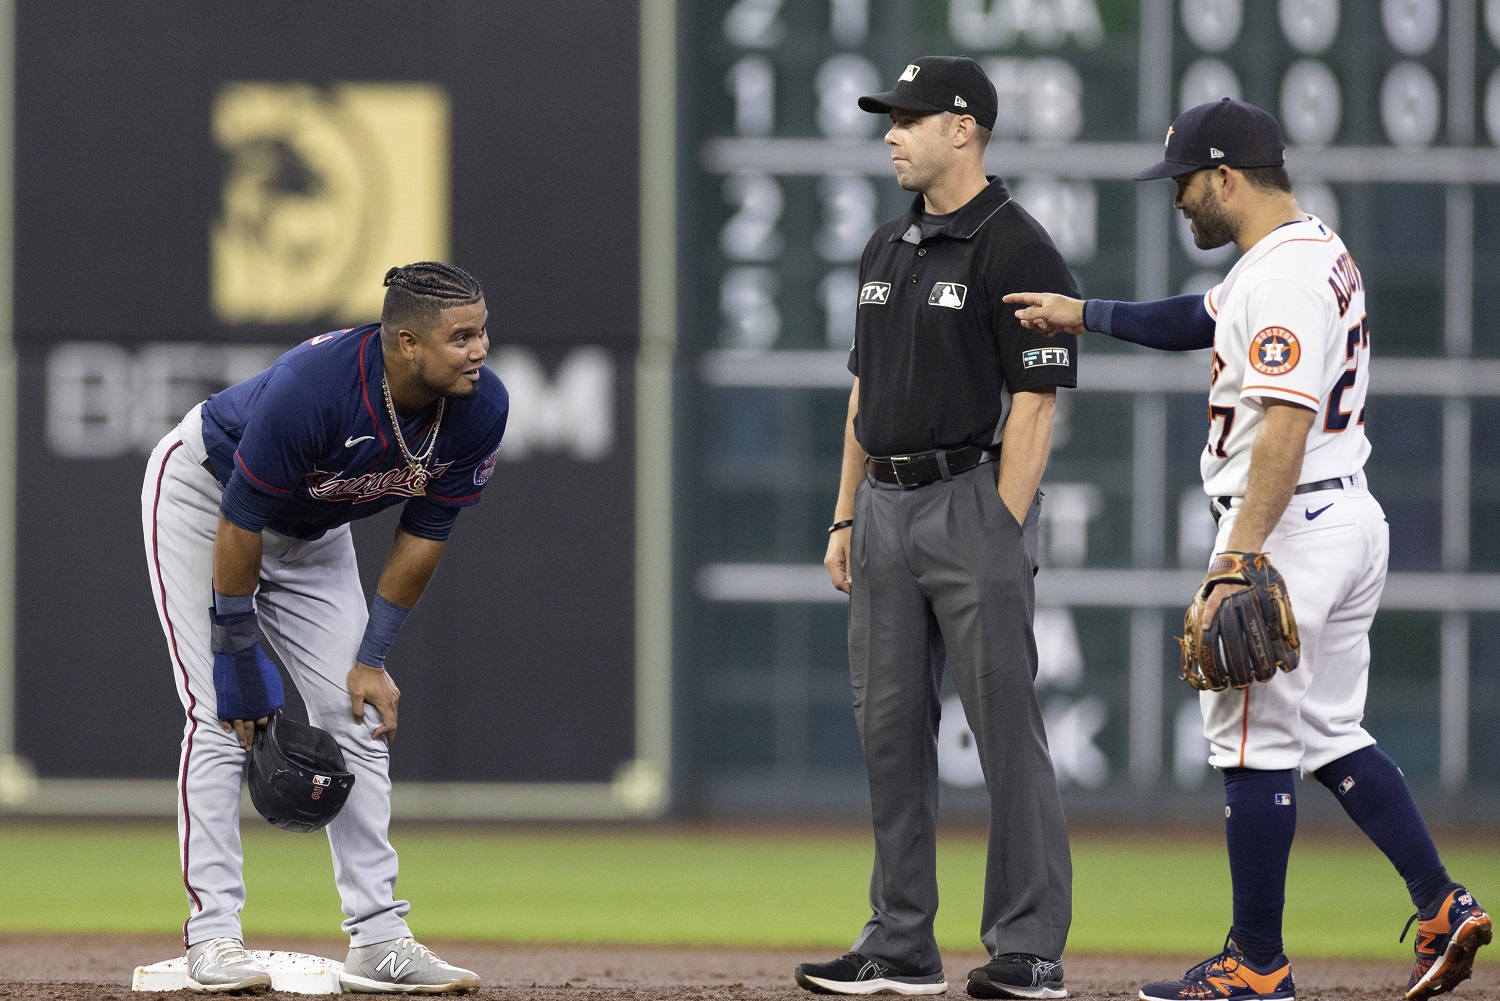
x,y
208,464
922,468
1221,504
1329,484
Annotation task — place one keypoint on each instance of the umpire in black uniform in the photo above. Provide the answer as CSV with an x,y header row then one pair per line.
x,y
935,540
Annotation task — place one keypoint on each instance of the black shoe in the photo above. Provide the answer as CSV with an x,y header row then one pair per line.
x,y
1018,975
854,974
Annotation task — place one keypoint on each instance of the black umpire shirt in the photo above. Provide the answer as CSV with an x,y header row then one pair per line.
x,y
934,345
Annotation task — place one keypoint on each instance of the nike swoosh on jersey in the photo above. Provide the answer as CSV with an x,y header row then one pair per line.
x,y
351,442
1313,514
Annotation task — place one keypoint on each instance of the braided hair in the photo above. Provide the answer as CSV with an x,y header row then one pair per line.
x,y
417,293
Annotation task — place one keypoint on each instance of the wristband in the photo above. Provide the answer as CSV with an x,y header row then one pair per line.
x,y
385,622
1098,316
246,682
233,604
840,524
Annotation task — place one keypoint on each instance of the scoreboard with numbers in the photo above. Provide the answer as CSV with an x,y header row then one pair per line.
x,y
1392,114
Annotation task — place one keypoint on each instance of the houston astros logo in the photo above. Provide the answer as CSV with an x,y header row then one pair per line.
x,y
1274,351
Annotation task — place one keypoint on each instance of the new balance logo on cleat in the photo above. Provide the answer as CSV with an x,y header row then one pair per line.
x,y
403,966
391,961
1229,976
1446,944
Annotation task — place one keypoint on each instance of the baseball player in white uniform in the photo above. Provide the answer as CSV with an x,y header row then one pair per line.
x,y
1283,468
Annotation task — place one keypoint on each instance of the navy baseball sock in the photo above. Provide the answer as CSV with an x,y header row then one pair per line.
x,y
1372,790
1260,818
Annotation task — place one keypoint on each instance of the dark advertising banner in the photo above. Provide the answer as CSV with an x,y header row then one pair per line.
x,y
201,187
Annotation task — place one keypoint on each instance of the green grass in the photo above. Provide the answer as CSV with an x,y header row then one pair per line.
x,y
710,888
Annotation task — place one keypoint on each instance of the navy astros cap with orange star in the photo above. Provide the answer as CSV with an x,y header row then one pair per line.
x,y
940,83
1227,132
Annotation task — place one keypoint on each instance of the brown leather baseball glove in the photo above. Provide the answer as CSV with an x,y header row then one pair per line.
x,y
1253,633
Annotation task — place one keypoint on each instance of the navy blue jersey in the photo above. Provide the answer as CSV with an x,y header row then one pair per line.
x,y
308,444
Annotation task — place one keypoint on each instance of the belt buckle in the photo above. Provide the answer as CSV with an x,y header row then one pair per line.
x,y
900,462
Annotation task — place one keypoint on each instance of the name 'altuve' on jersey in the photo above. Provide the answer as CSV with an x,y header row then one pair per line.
x,y
309,444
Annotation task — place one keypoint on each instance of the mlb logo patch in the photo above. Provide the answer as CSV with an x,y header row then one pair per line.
x,y
1044,356
1283,799
910,74
1346,785
322,780
949,294
875,294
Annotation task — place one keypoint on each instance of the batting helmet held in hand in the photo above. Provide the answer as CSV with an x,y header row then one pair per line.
x,y
296,775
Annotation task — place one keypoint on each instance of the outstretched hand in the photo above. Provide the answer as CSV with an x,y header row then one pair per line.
x,y
1048,313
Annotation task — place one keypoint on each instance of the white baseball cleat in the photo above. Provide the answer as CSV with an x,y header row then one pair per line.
x,y
403,966
222,966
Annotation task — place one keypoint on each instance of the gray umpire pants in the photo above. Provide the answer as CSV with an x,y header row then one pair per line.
x,y
942,578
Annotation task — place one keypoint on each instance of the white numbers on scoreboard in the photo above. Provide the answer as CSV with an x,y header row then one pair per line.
x,y
1410,104
849,21
840,82
839,291
1067,210
1411,25
1309,25
849,205
755,24
752,233
1037,99
1311,103
1212,25
751,82
747,304
1041,24
1207,79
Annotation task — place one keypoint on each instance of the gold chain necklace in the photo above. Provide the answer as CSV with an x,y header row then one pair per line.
x,y
416,463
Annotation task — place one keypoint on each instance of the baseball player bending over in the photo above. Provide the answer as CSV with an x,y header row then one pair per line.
x,y
1283,466
246,509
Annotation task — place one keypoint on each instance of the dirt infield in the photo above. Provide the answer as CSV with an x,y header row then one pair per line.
x,y
99,967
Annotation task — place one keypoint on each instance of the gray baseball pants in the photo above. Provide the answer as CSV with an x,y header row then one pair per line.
x,y
942,578
312,612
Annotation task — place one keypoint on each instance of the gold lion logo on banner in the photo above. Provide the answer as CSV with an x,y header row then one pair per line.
x,y
325,189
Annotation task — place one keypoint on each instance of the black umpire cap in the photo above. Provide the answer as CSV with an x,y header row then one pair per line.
x,y
940,83
1227,132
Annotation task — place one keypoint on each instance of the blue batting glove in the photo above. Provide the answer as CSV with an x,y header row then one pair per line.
x,y
246,681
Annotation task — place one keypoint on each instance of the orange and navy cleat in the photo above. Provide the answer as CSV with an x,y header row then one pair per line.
x,y
1227,975
1446,944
